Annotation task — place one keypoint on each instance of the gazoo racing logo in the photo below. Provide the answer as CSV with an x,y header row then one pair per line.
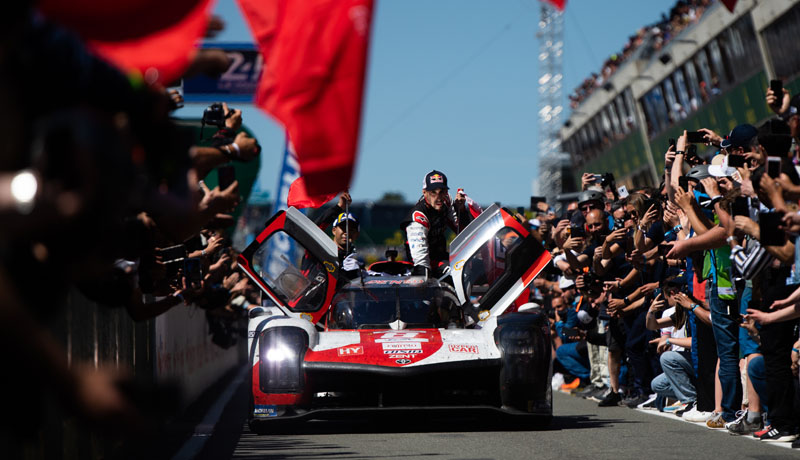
x,y
400,337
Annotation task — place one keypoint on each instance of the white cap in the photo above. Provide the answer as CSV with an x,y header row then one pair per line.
x,y
529,306
721,170
565,283
583,317
535,223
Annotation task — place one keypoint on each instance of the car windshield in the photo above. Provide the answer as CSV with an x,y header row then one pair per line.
x,y
368,308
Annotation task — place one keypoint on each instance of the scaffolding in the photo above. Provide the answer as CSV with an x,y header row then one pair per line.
x,y
552,161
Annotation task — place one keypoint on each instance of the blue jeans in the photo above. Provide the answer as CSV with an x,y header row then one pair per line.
x,y
758,376
747,345
676,381
574,362
726,334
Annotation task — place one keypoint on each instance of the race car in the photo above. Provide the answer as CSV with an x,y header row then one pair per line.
x,y
324,347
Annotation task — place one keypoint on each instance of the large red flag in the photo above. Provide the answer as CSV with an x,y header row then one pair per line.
x,y
299,197
315,54
151,37
559,4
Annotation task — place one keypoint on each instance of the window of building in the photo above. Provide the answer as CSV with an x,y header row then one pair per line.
x,y
681,91
781,37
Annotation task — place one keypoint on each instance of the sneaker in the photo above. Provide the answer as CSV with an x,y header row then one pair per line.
x,y
697,416
634,400
558,380
716,421
741,426
776,435
649,404
689,407
762,432
611,399
586,391
796,443
598,394
567,387
677,406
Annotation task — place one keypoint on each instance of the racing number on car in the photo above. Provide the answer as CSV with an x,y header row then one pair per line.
x,y
399,336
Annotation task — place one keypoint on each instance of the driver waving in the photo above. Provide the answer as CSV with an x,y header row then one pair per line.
x,y
425,226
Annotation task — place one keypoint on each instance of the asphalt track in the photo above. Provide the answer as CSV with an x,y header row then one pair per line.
x,y
579,430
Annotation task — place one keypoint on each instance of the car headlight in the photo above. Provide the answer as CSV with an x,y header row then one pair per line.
x,y
280,369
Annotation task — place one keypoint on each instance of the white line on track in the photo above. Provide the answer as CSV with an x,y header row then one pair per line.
x,y
194,445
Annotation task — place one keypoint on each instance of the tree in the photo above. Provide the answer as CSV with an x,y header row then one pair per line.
x,y
392,197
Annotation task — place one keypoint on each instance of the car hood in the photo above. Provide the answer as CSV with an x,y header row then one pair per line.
x,y
403,348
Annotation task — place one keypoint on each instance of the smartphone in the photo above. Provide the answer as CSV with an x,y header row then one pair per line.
x,y
695,137
622,191
521,210
683,183
768,223
777,88
774,167
740,206
193,270
576,231
736,161
672,143
226,175
173,253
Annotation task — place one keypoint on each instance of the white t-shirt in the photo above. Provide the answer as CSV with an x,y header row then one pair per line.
x,y
672,331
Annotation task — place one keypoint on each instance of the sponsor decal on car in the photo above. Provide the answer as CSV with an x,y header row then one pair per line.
x,y
329,266
400,337
410,352
407,345
403,361
351,350
265,411
463,348
410,281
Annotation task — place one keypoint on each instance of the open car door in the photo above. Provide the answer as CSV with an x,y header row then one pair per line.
x,y
295,263
493,260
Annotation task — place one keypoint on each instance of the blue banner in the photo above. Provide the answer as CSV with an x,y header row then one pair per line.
x,y
237,84
281,248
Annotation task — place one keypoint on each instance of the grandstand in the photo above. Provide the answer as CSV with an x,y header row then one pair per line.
x,y
712,74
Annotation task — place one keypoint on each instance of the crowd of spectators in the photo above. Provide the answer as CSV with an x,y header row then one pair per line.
x,y
650,39
102,191
684,298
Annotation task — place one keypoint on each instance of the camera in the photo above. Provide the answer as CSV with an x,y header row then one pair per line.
x,y
605,180
214,115
577,231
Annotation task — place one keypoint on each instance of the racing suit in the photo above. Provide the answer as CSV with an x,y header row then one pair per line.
x,y
426,243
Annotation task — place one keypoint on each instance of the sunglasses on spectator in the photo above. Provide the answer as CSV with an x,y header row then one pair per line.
x,y
589,207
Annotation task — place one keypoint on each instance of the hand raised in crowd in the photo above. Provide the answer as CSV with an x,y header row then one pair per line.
x,y
671,218
683,301
761,317
461,200
219,201
214,245
746,225
344,200
617,236
683,199
755,157
791,223
615,306
680,143
648,288
649,217
669,156
587,180
710,136
573,243
612,286
711,186
233,118
230,281
778,105
248,146
598,253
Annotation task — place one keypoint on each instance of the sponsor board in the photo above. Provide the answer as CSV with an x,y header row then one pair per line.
x,y
402,345
462,348
352,350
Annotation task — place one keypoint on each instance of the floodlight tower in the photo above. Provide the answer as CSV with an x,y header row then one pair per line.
x,y
551,48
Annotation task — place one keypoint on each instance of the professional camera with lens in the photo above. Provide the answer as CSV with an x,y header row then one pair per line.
x,y
214,115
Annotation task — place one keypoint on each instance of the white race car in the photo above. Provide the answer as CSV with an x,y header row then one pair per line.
x,y
328,347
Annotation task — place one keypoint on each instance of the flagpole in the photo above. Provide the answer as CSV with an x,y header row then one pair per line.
x,y
347,228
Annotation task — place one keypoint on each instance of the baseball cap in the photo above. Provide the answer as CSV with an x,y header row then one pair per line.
x,y
739,136
343,217
722,169
434,180
565,283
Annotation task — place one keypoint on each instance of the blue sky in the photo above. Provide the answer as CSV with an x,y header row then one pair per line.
x,y
451,85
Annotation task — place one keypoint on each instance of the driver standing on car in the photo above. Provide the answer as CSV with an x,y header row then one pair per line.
x,y
345,232
425,227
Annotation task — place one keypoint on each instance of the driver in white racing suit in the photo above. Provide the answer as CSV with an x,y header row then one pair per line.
x,y
426,244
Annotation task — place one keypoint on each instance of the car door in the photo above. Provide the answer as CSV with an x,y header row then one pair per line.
x,y
295,263
493,260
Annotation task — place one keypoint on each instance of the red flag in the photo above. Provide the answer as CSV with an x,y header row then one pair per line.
x,y
559,4
154,38
729,4
315,54
299,197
